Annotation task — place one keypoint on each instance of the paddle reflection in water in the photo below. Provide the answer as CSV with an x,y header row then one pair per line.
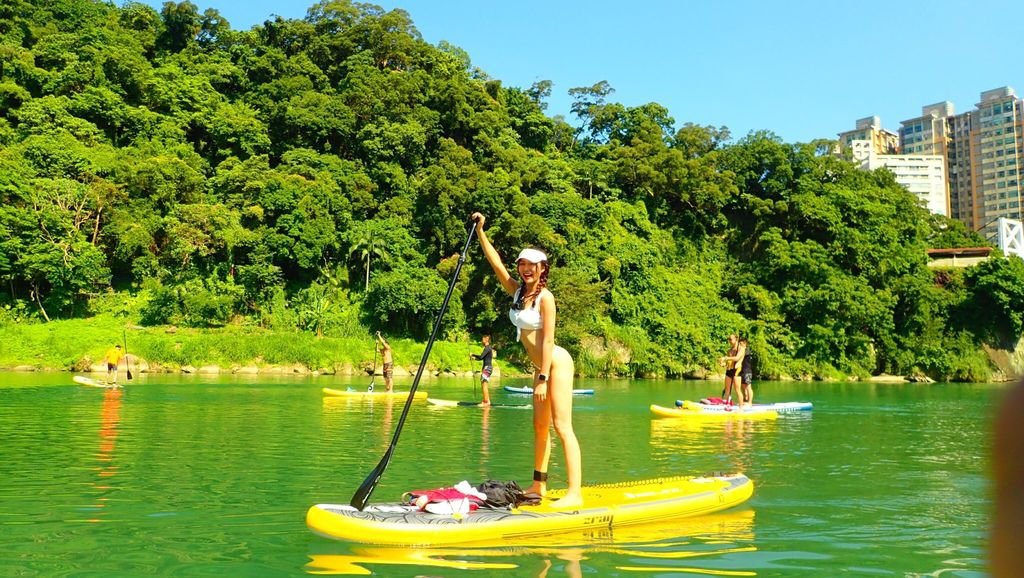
x,y
715,539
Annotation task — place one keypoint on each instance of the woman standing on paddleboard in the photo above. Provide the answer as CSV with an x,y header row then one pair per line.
x,y
533,314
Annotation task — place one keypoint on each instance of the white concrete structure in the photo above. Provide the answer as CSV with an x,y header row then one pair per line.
x,y
1011,237
922,175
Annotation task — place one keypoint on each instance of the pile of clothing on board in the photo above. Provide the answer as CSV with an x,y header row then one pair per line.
x,y
463,498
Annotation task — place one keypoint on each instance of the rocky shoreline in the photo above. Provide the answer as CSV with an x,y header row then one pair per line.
x,y
139,365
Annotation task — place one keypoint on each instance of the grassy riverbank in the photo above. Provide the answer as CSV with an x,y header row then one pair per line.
x,y
77,343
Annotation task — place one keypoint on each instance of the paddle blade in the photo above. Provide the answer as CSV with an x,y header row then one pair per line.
x,y
362,495
129,374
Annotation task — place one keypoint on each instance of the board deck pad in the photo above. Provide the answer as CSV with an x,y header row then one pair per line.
x,y
781,407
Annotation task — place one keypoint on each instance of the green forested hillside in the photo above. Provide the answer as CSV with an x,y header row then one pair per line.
x,y
316,175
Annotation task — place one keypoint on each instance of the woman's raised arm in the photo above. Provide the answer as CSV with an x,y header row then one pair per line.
x,y
493,258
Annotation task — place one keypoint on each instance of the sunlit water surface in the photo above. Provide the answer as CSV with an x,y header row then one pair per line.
x,y
212,476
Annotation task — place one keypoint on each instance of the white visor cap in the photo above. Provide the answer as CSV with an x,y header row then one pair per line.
x,y
531,255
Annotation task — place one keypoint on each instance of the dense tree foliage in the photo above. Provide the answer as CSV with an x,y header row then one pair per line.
x,y
316,174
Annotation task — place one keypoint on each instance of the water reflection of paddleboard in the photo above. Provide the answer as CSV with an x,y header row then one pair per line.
x,y
480,404
605,507
375,394
719,528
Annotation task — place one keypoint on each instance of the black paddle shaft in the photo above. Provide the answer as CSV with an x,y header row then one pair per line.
x,y
127,365
362,495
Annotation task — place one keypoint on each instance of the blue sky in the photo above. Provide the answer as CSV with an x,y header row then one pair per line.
x,y
801,69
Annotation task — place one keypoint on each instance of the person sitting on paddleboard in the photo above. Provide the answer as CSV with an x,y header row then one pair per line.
x,y
113,358
486,356
389,364
533,313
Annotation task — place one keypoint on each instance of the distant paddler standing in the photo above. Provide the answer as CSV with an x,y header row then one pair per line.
x,y
729,362
113,359
486,357
388,361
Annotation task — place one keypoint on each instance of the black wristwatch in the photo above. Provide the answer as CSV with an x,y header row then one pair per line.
x,y
541,377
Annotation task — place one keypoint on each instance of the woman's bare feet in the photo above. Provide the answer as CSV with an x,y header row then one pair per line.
x,y
539,488
568,501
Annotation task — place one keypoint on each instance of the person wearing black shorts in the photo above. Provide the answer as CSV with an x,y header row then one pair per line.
x,y
113,359
746,386
729,362
486,357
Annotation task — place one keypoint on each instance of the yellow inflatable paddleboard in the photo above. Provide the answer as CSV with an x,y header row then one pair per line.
x,y
375,394
697,413
604,507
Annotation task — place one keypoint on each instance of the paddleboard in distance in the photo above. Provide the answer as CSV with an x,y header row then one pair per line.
x,y
93,382
452,403
780,407
736,413
529,390
375,394
605,507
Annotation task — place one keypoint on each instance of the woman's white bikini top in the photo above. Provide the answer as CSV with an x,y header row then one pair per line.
x,y
525,318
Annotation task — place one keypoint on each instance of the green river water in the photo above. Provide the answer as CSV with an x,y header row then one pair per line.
x,y
212,476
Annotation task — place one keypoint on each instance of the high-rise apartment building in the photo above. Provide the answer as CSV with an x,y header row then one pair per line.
x,y
998,164
960,168
923,175
927,134
983,151
883,142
